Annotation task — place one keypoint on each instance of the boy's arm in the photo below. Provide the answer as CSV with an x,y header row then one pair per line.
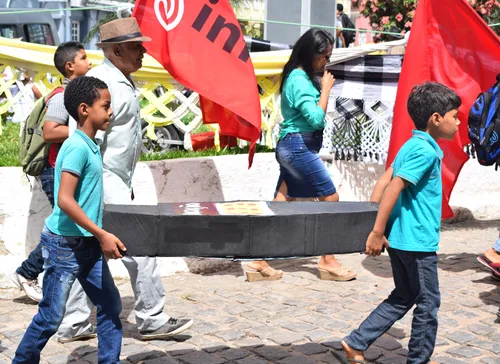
x,y
381,185
376,240
67,203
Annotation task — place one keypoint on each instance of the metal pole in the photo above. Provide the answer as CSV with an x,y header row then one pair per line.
x,y
67,22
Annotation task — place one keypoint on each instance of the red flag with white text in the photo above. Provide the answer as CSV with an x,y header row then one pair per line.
x,y
449,43
199,42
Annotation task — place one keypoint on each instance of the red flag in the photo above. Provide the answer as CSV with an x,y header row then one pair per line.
x,y
201,45
450,44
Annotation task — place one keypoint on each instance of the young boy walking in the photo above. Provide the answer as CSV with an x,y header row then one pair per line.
x,y
71,61
410,195
73,241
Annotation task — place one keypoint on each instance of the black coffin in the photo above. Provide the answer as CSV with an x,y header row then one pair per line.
x,y
295,229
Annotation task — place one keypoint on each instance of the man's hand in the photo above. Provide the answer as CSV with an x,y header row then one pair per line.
x,y
375,243
110,245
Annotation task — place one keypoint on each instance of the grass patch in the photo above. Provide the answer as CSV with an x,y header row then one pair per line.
x,y
174,154
9,149
9,145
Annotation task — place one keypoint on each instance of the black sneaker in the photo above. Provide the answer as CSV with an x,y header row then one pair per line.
x,y
172,327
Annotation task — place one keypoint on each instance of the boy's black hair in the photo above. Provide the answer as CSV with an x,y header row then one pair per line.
x,y
429,98
84,89
66,52
340,7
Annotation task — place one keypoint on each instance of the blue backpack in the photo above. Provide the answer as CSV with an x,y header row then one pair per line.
x,y
484,126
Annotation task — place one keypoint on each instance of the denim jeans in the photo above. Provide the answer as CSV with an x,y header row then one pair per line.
x,y
32,266
496,246
416,281
301,167
67,259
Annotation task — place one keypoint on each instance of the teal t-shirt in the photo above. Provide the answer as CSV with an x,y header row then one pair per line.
x,y
299,105
415,221
79,155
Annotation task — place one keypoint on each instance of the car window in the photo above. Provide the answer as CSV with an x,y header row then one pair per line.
x,y
39,33
8,31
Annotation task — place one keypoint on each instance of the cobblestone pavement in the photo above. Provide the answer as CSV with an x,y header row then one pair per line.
x,y
300,319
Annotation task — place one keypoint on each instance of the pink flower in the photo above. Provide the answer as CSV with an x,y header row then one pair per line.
x,y
399,17
374,8
385,20
483,10
408,24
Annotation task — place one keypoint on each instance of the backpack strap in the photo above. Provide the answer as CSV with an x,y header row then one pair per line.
x,y
54,92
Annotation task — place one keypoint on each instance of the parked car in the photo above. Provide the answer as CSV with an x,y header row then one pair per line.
x,y
30,27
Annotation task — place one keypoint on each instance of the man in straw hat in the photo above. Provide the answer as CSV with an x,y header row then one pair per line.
x,y
121,42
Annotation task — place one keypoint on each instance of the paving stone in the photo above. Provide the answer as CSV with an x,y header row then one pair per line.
x,y
492,346
373,353
336,325
197,357
481,329
318,335
249,342
310,348
448,360
333,343
461,337
205,327
297,359
298,326
56,359
180,349
392,359
272,353
285,337
251,360
464,313
229,335
145,355
233,354
387,342
491,360
464,352
162,360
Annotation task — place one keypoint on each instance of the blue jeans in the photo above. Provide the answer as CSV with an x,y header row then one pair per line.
x,y
67,259
416,280
32,266
496,246
301,167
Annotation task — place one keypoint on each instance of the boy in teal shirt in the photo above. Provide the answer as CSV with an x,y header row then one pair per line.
x,y
73,241
410,197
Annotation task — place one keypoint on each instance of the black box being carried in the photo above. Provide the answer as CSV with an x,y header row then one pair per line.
x,y
242,229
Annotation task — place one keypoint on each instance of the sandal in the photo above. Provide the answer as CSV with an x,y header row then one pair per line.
x,y
494,266
268,274
337,274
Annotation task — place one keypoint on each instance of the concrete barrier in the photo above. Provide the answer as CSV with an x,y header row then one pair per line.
x,y
24,207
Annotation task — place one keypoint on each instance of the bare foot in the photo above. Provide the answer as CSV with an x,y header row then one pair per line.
x,y
352,354
258,265
328,261
492,255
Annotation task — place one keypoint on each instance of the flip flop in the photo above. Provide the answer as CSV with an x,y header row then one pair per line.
x,y
347,360
495,267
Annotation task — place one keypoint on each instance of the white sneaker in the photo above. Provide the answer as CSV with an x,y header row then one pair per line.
x,y
31,288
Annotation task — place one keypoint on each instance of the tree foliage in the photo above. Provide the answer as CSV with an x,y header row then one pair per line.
x,y
397,15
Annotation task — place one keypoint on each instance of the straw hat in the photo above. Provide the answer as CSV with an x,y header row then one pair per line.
x,y
120,31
